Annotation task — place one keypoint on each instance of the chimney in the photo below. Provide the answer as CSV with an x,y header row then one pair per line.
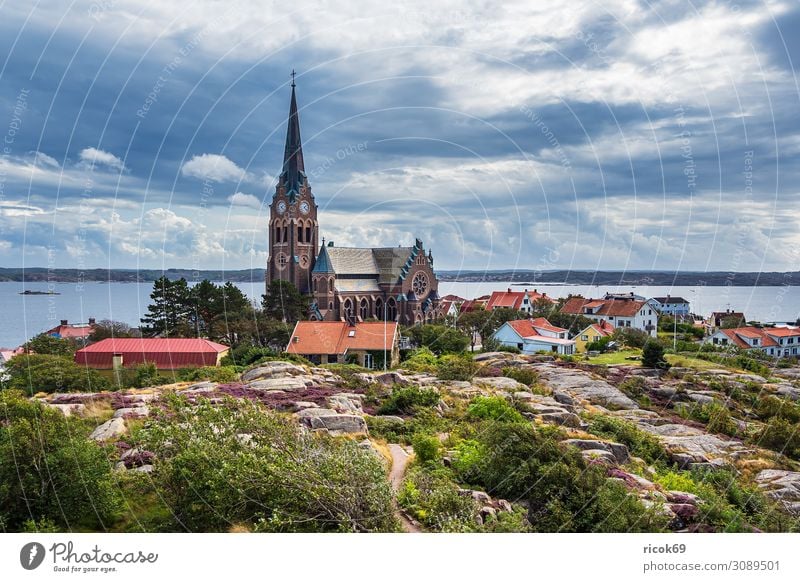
x,y
509,289
64,322
92,321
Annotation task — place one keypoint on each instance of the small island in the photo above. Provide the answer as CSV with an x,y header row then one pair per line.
x,y
29,292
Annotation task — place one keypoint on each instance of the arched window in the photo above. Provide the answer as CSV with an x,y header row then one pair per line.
x,y
363,310
285,232
379,308
308,234
330,285
315,285
299,233
348,308
391,310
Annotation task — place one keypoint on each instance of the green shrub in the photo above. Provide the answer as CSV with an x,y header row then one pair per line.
x,y
141,376
421,360
441,339
779,435
508,349
220,374
526,376
405,399
640,443
427,448
716,417
433,499
772,406
50,472
653,355
284,479
456,367
563,492
494,408
633,387
46,373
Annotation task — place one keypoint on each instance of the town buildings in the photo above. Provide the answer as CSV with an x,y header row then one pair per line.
x,y
524,301
345,284
531,336
671,305
74,331
621,311
368,344
773,341
165,353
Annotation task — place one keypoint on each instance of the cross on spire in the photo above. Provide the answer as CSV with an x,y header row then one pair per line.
x,y
293,74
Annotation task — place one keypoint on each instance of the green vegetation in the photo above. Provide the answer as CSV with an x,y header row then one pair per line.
x,y
456,367
653,355
525,376
440,339
406,399
50,472
34,373
45,344
285,480
220,374
639,442
494,408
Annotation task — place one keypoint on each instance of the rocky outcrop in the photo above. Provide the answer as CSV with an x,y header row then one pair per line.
x,y
287,383
271,370
583,386
691,447
69,409
109,430
619,452
337,423
782,486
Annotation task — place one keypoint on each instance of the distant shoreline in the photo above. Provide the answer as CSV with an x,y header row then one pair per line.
x,y
520,277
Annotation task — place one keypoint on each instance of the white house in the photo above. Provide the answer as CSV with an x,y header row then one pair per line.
x,y
774,341
670,305
534,335
619,311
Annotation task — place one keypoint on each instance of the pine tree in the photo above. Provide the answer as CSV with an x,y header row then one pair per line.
x,y
170,313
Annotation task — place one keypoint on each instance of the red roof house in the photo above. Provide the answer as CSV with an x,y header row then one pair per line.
x,y
328,342
67,330
518,300
165,353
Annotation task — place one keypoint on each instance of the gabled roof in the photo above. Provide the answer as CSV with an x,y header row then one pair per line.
x,y
526,329
154,345
351,261
670,299
602,327
607,307
334,337
737,334
782,331
166,353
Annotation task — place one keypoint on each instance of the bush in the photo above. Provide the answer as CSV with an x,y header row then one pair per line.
x,y
284,480
441,339
405,399
421,360
453,367
494,408
433,499
508,349
780,435
427,448
599,345
141,376
716,417
209,373
772,406
45,373
50,472
245,355
526,376
563,493
640,443
653,355
630,337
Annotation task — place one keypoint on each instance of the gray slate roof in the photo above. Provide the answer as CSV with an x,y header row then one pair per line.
x,y
382,265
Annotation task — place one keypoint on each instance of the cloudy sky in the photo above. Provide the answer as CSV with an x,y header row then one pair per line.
x,y
591,134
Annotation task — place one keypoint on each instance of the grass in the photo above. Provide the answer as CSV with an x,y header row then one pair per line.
x,y
690,362
619,357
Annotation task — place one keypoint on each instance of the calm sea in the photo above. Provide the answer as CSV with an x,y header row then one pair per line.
x,y
23,316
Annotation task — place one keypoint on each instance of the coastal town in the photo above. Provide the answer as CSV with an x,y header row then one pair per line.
x,y
354,397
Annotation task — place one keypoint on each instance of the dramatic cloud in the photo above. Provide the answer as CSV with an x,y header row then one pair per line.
x,y
585,134
212,167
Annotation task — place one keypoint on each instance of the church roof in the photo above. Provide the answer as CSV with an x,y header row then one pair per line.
x,y
293,167
381,265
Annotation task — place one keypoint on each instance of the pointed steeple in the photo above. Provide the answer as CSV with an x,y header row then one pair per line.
x,y
293,169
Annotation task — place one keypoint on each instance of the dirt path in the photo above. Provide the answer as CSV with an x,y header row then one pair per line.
x,y
399,462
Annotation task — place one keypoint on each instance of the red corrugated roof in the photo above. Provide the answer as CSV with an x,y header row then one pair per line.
x,y
165,353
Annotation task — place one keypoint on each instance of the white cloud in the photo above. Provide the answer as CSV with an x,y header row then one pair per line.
x,y
242,199
93,157
42,159
213,167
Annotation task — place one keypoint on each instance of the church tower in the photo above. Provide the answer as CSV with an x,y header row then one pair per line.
x,y
293,226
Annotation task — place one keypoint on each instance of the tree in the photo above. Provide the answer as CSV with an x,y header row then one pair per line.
x,y
653,355
51,345
107,328
441,339
473,323
170,314
631,337
284,302
50,471
46,373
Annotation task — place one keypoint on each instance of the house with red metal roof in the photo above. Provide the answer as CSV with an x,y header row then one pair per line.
x,y
773,341
619,311
367,343
531,336
165,353
76,331
518,300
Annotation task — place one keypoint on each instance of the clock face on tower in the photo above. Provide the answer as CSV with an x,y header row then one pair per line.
x,y
304,207
281,207
419,284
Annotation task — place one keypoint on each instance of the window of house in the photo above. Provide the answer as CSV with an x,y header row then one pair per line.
x,y
585,338
520,346
368,361
333,359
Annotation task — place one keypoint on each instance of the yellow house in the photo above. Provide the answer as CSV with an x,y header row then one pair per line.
x,y
592,333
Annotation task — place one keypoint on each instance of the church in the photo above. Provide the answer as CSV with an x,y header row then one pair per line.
x,y
344,283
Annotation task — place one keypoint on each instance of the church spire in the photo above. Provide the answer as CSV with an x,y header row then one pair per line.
x,y
293,169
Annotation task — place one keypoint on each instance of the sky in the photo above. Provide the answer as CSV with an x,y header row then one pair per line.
x,y
583,134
